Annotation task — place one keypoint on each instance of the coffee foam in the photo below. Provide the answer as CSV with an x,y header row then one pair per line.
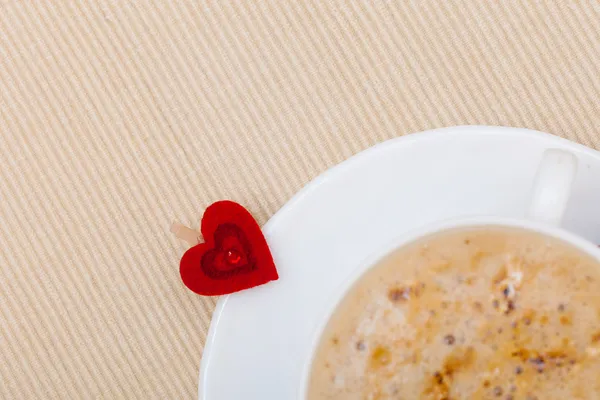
x,y
472,296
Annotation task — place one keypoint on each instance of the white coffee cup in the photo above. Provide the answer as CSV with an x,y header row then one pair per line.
x,y
550,193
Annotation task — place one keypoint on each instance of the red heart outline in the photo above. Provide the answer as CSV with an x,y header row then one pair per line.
x,y
227,226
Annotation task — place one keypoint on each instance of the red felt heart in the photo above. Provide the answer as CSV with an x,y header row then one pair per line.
x,y
234,257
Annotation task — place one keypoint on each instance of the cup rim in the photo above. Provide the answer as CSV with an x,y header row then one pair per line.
x,y
412,236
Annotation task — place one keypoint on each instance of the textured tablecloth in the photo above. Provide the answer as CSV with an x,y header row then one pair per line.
x,y
117,117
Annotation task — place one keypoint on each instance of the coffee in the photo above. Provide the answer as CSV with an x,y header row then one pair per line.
x,y
498,313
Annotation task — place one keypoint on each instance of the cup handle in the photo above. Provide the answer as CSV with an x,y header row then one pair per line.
x,y
552,187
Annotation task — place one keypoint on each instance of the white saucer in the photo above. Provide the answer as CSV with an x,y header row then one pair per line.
x,y
259,339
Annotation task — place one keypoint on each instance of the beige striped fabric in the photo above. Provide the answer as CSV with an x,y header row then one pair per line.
x,y
119,116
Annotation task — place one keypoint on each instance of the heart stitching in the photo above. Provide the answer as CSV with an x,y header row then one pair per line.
x,y
228,259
